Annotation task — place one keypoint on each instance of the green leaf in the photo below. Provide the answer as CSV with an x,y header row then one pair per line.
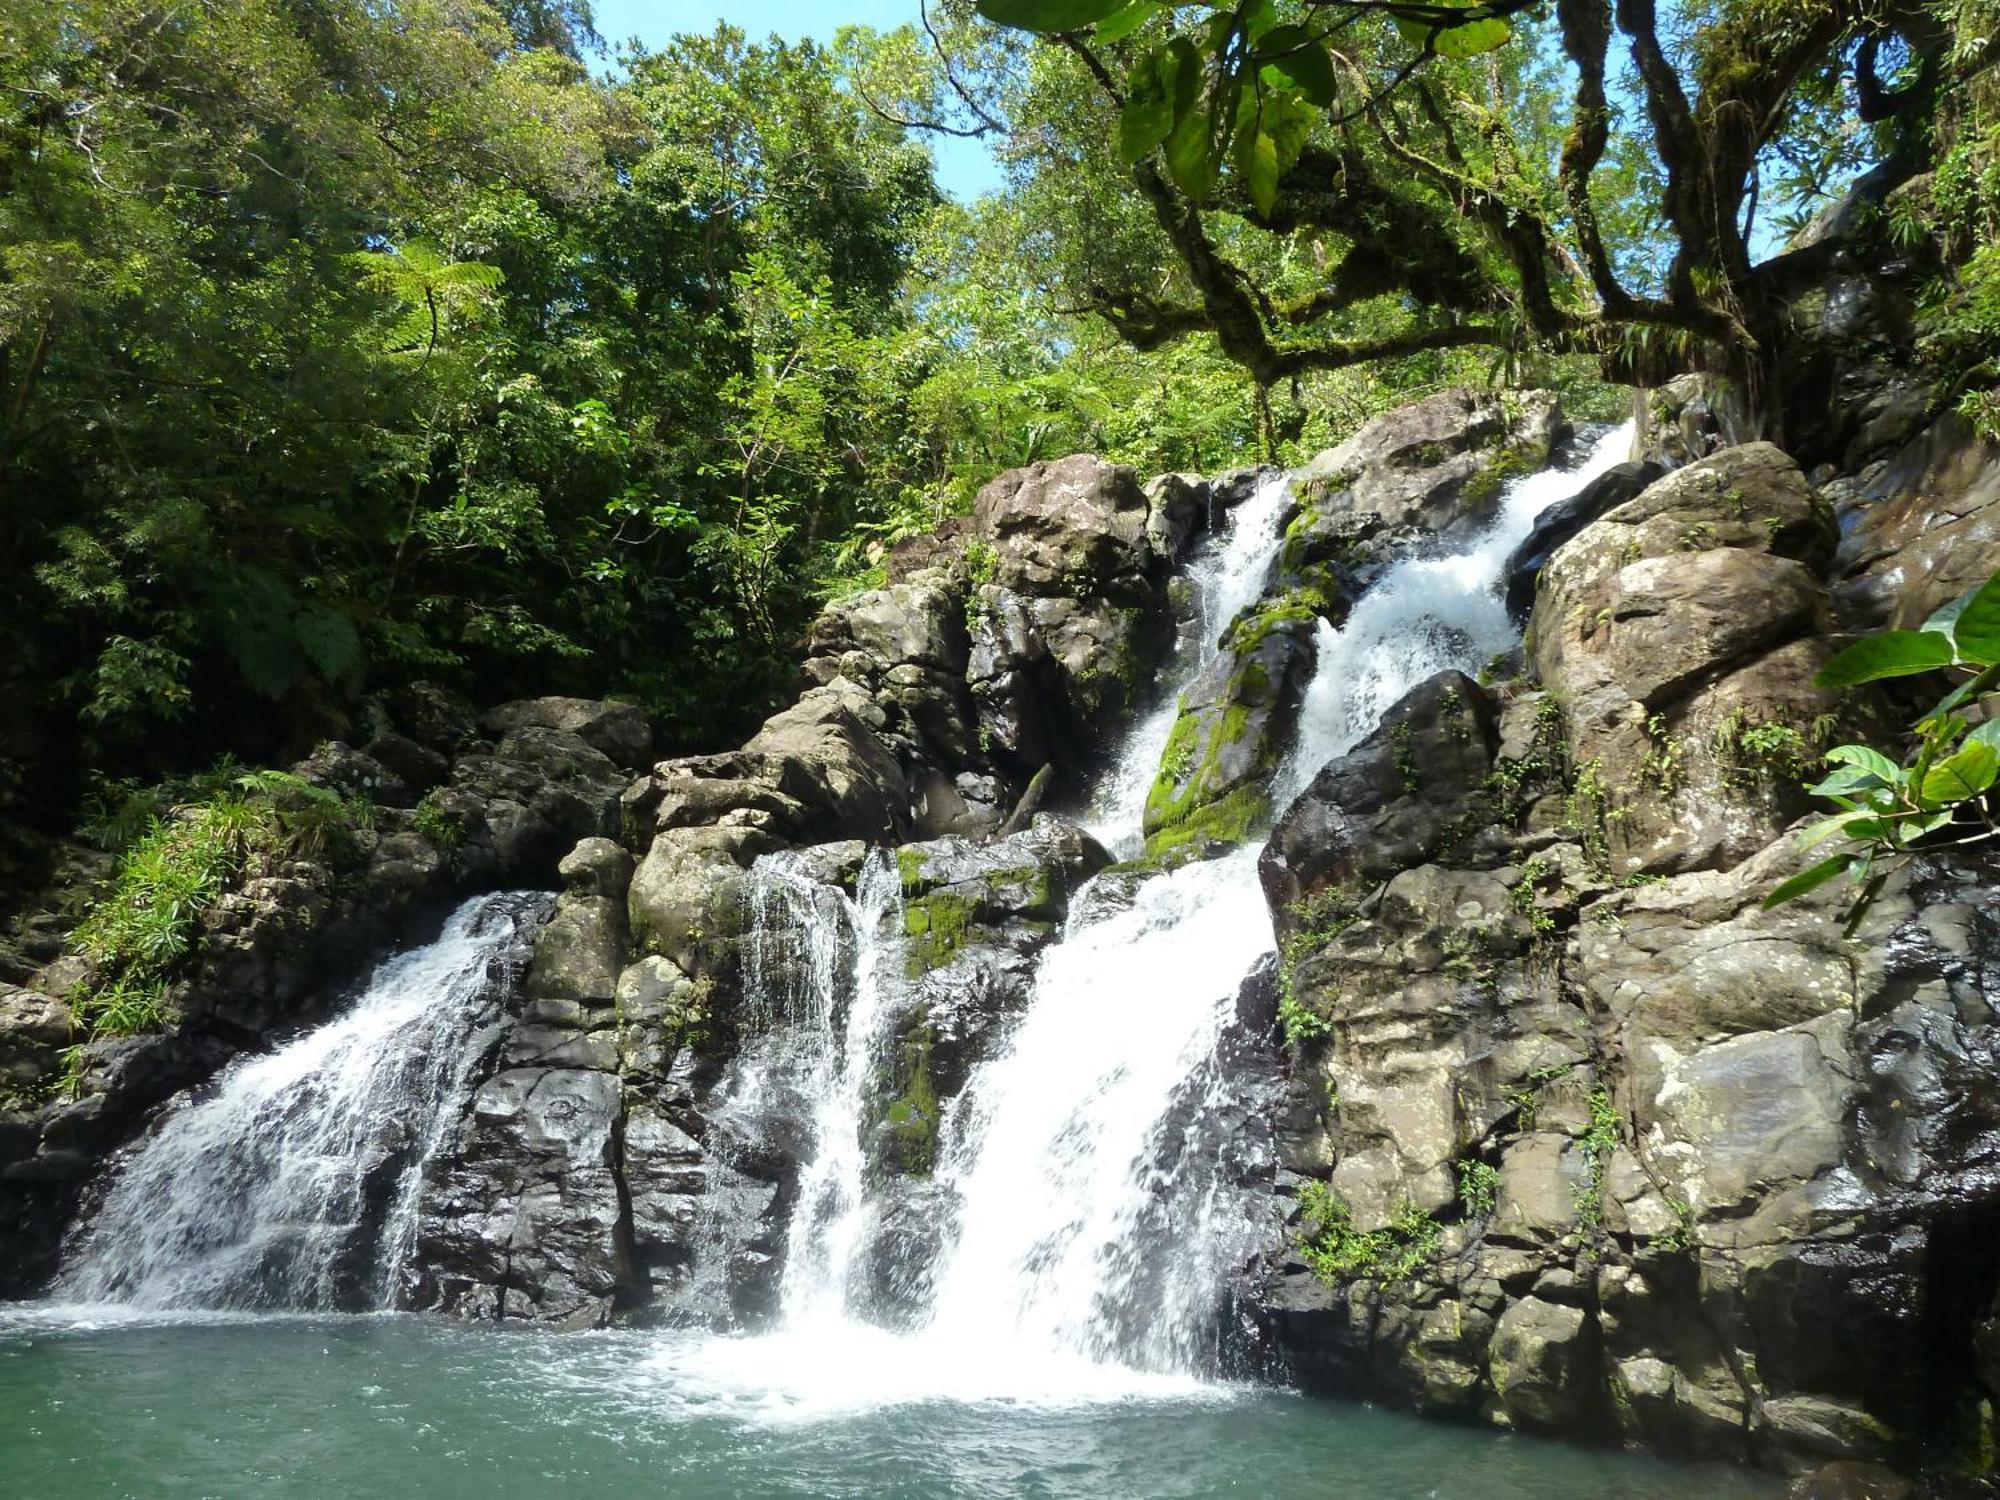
x,y
1148,117
1467,39
1191,155
1977,628
1820,832
1473,38
1868,760
1305,68
1911,829
1049,15
1125,22
1895,653
1289,119
1809,880
1968,772
1943,619
1257,160
1986,734
1847,780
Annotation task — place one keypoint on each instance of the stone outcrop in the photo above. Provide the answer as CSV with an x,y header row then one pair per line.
x,y
276,951
1612,1148
1682,631
1233,722
1438,464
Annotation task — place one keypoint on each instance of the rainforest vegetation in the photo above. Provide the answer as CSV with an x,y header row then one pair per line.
x,y
345,343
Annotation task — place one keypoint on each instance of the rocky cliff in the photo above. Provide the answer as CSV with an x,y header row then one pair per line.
x,y
1568,1133
1580,1138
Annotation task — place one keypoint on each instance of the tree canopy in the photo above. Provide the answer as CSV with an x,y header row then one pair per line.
x,y
1340,182
345,343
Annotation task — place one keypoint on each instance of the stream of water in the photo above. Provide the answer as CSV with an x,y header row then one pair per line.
x,y
1067,1340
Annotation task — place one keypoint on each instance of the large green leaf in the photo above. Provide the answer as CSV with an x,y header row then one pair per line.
x,y
1257,161
1809,880
1125,22
1963,776
1467,39
1867,759
1049,15
1301,63
1895,653
1191,155
1473,38
1148,116
1977,628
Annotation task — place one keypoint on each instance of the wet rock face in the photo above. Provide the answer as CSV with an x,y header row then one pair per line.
x,y
276,952
1234,722
1439,464
1628,1153
1919,529
1412,791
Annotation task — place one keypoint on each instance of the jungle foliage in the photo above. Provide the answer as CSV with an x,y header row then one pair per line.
x,y
346,343
1334,183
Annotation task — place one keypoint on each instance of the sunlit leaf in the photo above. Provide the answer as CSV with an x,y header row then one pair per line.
x,y
1191,155
1049,15
1125,22
1257,160
1895,653
1873,761
1966,774
1977,628
1809,880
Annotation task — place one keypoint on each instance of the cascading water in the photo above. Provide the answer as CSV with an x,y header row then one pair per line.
x,y
1427,614
1065,1148
1097,1208
292,1182
832,1207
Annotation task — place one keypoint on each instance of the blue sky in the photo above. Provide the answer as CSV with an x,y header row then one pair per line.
x,y
965,169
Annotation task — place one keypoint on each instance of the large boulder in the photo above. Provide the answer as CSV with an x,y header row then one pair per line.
x,y
1411,792
1563,520
521,1212
1681,632
1440,463
1074,528
616,730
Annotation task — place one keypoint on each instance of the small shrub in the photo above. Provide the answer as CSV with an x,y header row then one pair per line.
x,y
1337,1252
444,829
1478,1186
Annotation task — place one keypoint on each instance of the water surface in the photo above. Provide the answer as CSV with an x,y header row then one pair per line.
x,y
97,1407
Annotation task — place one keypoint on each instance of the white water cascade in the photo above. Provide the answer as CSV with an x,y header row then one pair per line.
x,y
1097,1217
1429,613
260,1193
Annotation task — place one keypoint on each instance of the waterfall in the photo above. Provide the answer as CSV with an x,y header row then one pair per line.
x,y
291,1181
1429,613
832,1208
1061,1159
1096,1208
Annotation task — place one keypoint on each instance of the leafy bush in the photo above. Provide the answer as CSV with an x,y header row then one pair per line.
x,y
148,923
1336,1251
1940,793
1478,1186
